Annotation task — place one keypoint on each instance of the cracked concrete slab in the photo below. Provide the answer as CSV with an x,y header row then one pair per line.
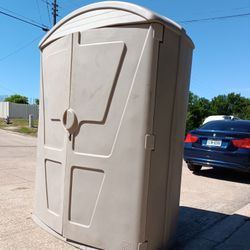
x,y
240,239
199,243
17,174
224,229
215,204
219,234
245,211
208,205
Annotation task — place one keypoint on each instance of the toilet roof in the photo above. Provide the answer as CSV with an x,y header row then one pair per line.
x,y
103,14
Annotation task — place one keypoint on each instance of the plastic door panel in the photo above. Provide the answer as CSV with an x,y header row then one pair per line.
x,y
111,83
55,75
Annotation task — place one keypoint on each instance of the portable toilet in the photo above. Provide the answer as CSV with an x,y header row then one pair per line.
x,y
114,91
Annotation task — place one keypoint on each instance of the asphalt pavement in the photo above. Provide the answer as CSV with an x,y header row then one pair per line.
x,y
214,205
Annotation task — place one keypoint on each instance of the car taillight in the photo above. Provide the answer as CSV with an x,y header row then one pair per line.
x,y
242,143
191,138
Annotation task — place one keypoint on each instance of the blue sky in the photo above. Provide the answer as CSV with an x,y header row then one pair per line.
x,y
221,59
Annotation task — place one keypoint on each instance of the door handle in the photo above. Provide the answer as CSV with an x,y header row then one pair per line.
x,y
70,121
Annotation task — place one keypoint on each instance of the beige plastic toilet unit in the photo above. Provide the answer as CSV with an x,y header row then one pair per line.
x,y
114,90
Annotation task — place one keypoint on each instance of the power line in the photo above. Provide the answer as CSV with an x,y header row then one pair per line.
x,y
47,5
9,90
50,3
39,11
46,1
43,27
54,10
20,48
19,15
214,18
69,4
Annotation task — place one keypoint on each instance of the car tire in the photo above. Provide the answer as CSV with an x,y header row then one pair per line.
x,y
194,168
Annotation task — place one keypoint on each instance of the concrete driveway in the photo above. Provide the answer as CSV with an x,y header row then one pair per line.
x,y
17,174
214,210
214,206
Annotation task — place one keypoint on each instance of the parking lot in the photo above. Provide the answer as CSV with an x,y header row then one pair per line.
x,y
207,201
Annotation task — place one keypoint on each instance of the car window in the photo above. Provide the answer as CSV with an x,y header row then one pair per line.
x,y
228,126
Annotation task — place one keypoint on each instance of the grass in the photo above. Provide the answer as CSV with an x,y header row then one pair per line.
x,y
20,126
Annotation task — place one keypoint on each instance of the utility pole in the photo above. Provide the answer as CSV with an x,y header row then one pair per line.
x,y
54,11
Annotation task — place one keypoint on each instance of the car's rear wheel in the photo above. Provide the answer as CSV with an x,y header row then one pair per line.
x,y
194,167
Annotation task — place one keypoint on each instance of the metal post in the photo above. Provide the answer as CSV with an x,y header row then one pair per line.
x,y
7,120
30,121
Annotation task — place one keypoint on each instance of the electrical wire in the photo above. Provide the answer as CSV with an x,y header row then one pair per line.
x,y
9,90
39,11
20,16
43,27
47,5
69,4
20,48
47,2
215,18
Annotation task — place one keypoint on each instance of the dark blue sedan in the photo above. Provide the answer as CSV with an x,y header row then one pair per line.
x,y
224,143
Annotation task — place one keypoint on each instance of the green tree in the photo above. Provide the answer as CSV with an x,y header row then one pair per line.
x,y
198,110
247,111
231,104
220,105
37,101
17,99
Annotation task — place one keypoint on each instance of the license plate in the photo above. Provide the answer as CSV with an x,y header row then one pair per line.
x,y
214,143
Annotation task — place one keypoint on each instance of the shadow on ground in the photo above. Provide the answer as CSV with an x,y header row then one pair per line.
x,y
193,222
226,175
